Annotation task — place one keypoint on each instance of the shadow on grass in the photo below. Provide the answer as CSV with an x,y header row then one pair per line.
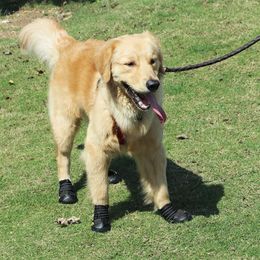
x,y
11,6
81,183
187,190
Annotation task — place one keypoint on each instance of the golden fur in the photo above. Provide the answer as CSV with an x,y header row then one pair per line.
x,y
86,79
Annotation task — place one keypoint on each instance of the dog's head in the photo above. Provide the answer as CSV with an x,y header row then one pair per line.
x,y
133,62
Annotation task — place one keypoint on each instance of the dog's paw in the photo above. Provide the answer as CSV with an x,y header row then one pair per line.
x,y
101,226
174,215
114,177
67,194
101,219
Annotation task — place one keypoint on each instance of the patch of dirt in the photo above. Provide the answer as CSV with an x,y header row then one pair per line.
x,y
10,25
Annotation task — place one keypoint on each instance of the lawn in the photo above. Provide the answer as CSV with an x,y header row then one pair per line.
x,y
214,173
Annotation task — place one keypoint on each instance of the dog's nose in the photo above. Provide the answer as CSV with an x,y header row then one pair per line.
x,y
152,85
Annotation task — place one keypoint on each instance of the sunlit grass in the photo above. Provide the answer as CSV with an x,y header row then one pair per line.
x,y
214,173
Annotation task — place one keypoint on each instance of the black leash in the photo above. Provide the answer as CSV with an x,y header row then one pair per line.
x,y
215,60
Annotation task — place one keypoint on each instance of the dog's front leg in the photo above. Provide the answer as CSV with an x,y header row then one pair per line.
x,y
151,163
97,163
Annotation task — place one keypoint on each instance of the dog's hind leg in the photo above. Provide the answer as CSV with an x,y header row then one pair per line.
x,y
64,125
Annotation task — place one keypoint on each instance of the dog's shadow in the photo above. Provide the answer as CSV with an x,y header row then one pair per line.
x,y
187,190
10,6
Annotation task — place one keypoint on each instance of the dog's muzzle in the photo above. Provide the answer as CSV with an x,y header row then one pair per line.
x,y
144,101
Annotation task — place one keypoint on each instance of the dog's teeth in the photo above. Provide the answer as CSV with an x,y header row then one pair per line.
x,y
135,97
142,105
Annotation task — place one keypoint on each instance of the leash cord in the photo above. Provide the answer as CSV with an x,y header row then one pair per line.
x,y
215,60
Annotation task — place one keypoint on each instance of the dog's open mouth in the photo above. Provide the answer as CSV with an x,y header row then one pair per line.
x,y
145,101
139,99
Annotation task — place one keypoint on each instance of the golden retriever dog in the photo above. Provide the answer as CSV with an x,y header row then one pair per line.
x,y
117,85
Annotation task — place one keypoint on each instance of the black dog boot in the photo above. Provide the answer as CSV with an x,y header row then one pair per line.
x,y
174,215
101,219
67,194
113,177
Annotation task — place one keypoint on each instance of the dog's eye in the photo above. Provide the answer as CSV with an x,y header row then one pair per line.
x,y
130,64
153,61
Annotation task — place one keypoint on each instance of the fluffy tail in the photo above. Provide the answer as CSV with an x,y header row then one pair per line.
x,y
43,38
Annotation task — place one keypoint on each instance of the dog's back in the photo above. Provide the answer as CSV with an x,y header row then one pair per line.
x,y
65,56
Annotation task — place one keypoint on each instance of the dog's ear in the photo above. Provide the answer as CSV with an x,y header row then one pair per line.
x,y
104,58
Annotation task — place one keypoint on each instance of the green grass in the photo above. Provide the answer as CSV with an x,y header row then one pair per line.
x,y
214,174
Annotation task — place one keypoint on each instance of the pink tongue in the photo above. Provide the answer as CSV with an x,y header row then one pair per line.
x,y
157,109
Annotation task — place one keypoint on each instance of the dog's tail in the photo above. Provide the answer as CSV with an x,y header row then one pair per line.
x,y
44,38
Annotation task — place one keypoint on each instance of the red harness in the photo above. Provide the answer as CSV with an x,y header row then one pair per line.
x,y
118,132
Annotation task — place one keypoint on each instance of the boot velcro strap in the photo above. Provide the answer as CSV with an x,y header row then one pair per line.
x,y
101,212
170,214
66,186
